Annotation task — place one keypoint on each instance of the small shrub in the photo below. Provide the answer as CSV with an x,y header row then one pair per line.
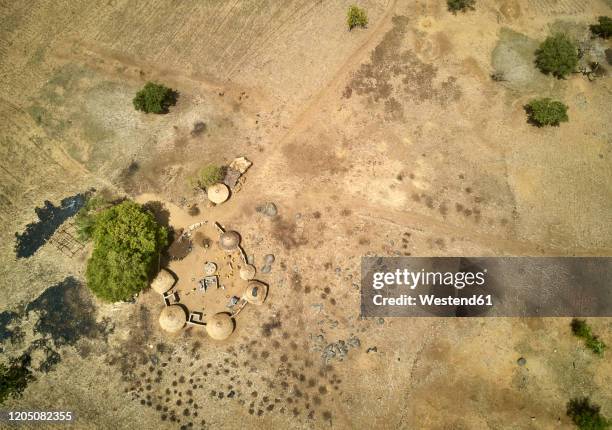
x,y
209,175
596,345
557,55
154,98
581,329
604,28
543,112
455,6
14,378
356,17
586,415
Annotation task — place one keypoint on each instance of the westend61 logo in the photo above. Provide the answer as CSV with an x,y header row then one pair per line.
x,y
486,286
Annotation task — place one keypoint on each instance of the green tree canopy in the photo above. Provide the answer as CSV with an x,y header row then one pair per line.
x,y
542,112
557,55
127,243
356,17
154,98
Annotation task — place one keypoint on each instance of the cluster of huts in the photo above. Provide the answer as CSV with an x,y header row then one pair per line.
x,y
220,325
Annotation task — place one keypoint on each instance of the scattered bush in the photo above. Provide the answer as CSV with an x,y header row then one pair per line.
x,y
604,28
542,112
154,98
209,175
557,55
581,329
127,243
14,377
455,6
356,17
586,415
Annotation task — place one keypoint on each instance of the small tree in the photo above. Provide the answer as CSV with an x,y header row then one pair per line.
x,y
455,6
356,17
127,243
14,378
209,175
604,28
154,98
586,415
557,55
543,112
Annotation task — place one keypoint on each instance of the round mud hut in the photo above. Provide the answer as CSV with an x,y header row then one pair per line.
x,y
162,282
218,193
220,326
229,241
172,318
247,272
256,292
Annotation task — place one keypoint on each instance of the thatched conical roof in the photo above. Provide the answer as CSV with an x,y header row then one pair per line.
x,y
172,318
229,240
220,326
162,282
256,292
218,193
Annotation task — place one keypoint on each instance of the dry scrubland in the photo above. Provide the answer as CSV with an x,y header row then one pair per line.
x,y
387,140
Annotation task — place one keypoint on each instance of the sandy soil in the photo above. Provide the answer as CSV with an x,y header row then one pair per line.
x,y
391,140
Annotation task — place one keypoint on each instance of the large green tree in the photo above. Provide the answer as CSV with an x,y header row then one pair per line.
x,y
557,55
127,243
154,98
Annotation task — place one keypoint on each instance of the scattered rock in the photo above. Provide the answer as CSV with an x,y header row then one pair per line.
x,y
198,128
266,269
269,258
371,349
354,342
381,321
268,209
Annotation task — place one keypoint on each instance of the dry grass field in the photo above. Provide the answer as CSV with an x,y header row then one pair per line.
x,y
389,140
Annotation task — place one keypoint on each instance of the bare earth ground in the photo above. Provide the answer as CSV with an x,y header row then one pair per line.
x,y
391,140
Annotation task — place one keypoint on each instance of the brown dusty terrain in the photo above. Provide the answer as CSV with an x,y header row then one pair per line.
x,y
391,140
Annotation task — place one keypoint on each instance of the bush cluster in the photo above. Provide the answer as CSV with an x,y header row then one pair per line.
x,y
209,175
127,244
154,98
460,5
586,415
543,112
557,56
604,28
356,17
581,329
